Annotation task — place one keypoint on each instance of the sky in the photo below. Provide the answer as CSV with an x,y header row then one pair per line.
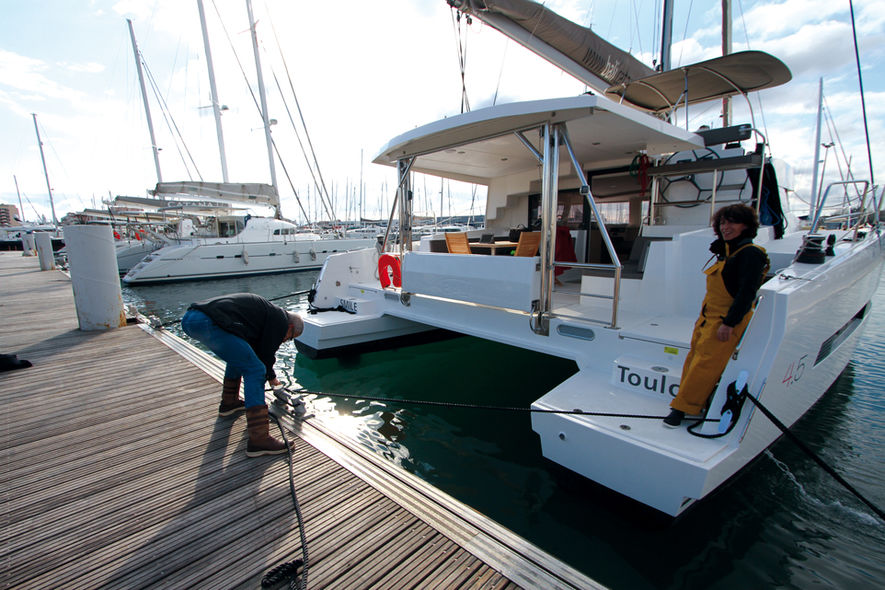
x,y
364,72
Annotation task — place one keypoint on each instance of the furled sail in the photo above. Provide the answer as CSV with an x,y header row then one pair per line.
x,y
576,49
250,192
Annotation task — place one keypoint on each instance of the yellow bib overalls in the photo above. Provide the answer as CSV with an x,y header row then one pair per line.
x,y
708,355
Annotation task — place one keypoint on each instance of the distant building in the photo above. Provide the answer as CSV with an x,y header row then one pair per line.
x,y
9,215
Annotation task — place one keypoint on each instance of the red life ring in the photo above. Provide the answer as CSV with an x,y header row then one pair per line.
x,y
389,265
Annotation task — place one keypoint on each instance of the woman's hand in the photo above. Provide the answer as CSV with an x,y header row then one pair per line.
x,y
724,332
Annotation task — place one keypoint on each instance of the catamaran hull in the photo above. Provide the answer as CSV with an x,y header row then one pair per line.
x,y
214,261
792,356
792,352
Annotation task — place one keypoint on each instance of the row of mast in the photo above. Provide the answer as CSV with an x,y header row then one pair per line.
x,y
216,108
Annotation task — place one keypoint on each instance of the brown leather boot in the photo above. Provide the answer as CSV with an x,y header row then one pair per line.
x,y
230,398
260,440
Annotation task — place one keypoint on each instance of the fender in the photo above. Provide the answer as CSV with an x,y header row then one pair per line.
x,y
388,265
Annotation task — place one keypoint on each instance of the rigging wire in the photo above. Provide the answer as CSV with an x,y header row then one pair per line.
x,y
638,28
657,31
847,175
45,138
316,164
298,137
320,186
758,95
461,44
863,102
685,31
255,100
171,125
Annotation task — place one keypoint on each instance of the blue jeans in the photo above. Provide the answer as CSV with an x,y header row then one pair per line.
x,y
240,358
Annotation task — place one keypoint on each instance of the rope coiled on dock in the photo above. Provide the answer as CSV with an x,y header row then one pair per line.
x,y
290,569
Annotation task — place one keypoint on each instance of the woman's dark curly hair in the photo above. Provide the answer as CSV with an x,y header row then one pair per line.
x,y
738,213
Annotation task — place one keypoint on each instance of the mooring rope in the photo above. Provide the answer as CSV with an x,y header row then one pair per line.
x,y
823,464
577,411
290,568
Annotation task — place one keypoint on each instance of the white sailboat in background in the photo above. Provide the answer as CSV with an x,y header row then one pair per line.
x,y
623,306
231,246
237,245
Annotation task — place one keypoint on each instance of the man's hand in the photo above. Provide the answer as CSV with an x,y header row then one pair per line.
x,y
724,332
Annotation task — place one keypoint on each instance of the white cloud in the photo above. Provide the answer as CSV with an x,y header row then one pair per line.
x,y
84,68
773,19
27,74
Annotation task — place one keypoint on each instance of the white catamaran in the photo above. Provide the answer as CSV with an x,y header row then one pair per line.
x,y
238,245
620,300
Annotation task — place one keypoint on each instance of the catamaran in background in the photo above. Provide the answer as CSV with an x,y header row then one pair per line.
x,y
237,245
619,299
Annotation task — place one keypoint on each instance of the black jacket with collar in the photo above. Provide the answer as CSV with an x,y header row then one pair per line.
x,y
253,318
742,275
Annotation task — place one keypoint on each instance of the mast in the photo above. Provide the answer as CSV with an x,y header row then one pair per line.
x,y
726,49
814,191
666,35
45,173
18,192
215,108
144,98
263,98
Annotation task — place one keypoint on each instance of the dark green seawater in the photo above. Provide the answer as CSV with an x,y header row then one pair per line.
x,y
782,523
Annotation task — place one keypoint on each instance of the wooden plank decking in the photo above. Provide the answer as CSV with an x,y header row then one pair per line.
x,y
117,473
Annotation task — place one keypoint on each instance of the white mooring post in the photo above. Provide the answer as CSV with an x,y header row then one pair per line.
x,y
94,277
44,250
28,245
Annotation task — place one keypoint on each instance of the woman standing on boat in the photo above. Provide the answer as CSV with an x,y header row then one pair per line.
x,y
245,331
732,282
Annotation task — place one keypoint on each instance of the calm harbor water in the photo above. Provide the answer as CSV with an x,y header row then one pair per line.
x,y
782,523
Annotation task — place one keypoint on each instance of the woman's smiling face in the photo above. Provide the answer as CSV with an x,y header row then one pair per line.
x,y
730,229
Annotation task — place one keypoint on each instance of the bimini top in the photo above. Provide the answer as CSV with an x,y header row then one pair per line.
x,y
484,144
735,73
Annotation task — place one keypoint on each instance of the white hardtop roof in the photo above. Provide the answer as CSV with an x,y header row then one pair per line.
x,y
480,145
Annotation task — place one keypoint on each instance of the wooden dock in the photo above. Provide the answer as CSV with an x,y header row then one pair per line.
x,y
117,473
